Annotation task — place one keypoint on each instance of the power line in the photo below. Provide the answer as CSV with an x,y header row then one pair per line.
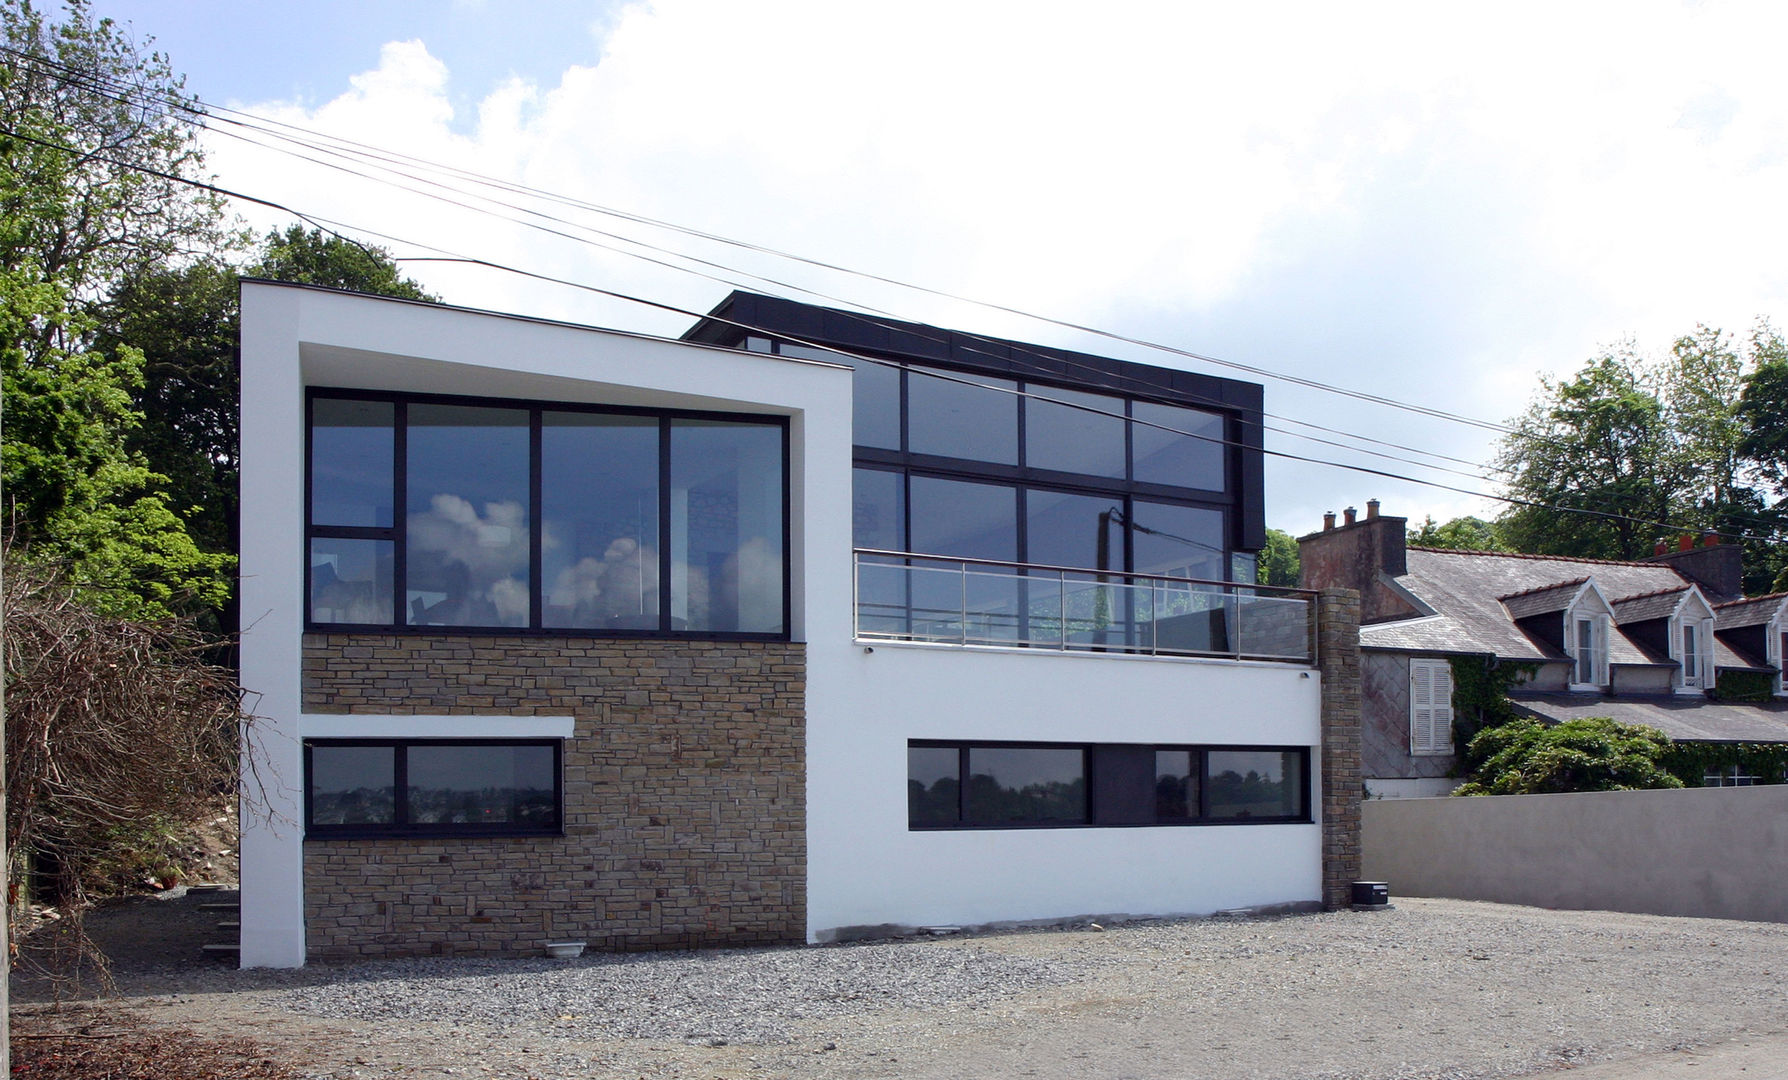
x,y
317,221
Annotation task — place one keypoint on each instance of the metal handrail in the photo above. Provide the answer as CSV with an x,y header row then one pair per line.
x,y
1012,624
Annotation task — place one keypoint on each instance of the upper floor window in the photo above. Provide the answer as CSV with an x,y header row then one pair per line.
x,y
1588,647
1430,706
498,515
1696,659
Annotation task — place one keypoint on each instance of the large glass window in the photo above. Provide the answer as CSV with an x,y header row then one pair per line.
x,y
726,526
599,509
1078,440
467,528
1185,450
965,519
545,518
952,418
415,787
1063,529
875,396
993,785
1248,784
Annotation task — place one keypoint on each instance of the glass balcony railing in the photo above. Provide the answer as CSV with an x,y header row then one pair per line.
x,y
907,597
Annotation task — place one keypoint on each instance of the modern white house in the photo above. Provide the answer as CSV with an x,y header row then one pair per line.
x,y
806,627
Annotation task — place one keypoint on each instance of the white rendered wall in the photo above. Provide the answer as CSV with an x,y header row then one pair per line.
x,y
295,337
866,868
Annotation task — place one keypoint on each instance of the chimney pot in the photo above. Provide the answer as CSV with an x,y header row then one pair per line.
x,y
1371,509
1350,514
1659,548
1712,539
1328,521
1685,542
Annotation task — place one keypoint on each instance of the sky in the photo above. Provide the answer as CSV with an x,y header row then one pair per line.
x,y
1434,203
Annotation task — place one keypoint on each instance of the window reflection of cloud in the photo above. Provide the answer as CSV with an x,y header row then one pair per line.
x,y
492,546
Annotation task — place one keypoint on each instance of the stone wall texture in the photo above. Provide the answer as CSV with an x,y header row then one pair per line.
x,y
684,782
1338,658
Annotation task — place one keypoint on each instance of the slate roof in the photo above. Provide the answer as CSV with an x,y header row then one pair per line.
x,y
1751,611
1544,600
1643,608
1466,590
1690,718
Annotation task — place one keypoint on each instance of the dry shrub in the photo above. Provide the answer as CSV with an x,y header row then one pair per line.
x,y
105,1044
114,728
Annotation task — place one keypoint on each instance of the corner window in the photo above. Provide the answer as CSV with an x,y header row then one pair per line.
x,y
370,788
448,514
1007,785
1430,706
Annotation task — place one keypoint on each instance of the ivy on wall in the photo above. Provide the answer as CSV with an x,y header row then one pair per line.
x,y
1691,761
1481,699
1751,686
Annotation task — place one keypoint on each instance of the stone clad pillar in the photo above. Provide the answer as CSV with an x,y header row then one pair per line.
x,y
1338,659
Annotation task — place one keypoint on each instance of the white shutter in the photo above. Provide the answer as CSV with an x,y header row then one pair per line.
x,y
1430,707
1705,640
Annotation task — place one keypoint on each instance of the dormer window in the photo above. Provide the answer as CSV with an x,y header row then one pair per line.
x,y
1696,656
1589,651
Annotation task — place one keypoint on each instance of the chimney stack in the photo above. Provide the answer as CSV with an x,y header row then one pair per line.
x,y
1328,521
1359,554
1350,512
1371,509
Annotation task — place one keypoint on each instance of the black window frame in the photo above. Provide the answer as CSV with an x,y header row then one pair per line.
x,y
399,827
395,534
1102,770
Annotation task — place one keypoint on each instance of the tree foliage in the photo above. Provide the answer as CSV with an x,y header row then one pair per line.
x,y
1526,757
1615,456
1279,559
1459,534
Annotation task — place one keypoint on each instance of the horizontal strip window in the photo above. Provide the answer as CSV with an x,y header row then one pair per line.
x,y
355,788
960,785
444,514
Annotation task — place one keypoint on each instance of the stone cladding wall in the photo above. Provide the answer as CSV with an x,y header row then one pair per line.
x,y
685,816
1338,657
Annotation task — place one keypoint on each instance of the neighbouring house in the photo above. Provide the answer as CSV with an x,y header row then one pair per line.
x,y
810,626
1643,642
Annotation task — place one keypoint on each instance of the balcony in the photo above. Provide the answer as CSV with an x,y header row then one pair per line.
x,y
944,601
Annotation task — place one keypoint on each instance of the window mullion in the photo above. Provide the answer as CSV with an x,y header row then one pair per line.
x,y
536,519
400,513
400,785
665,541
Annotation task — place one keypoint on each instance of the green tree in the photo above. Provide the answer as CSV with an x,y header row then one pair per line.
x,y
89,122
1279,559
1459,534
1526,757
1598,442
1763,448
185,321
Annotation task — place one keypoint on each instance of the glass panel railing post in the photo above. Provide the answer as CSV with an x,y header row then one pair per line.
x,y
1061,591
1234,601
857,595
962,608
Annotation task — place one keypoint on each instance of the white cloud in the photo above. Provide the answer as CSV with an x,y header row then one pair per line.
x,y
1418,200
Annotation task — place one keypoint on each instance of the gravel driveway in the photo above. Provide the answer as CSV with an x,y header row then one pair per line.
x,y
1431,989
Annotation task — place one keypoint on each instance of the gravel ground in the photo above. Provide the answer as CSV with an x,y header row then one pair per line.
x,y
1433,989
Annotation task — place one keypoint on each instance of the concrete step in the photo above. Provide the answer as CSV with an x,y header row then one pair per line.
x,y
221,949
229,924
222,905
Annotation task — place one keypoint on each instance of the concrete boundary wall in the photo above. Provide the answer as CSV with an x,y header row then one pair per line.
x,y
1708,852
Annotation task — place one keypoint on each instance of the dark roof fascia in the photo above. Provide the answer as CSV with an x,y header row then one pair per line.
x,y
773,316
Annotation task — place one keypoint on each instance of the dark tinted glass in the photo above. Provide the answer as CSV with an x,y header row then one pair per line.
x,y
481,785
875,397
1026,784
468,516
351,453
1074,530
726,526
933,780
967,520
1176,785
1074,440
1255,783
1179,541
353,785
1191,460
878,510
599,516
956,420
350,581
